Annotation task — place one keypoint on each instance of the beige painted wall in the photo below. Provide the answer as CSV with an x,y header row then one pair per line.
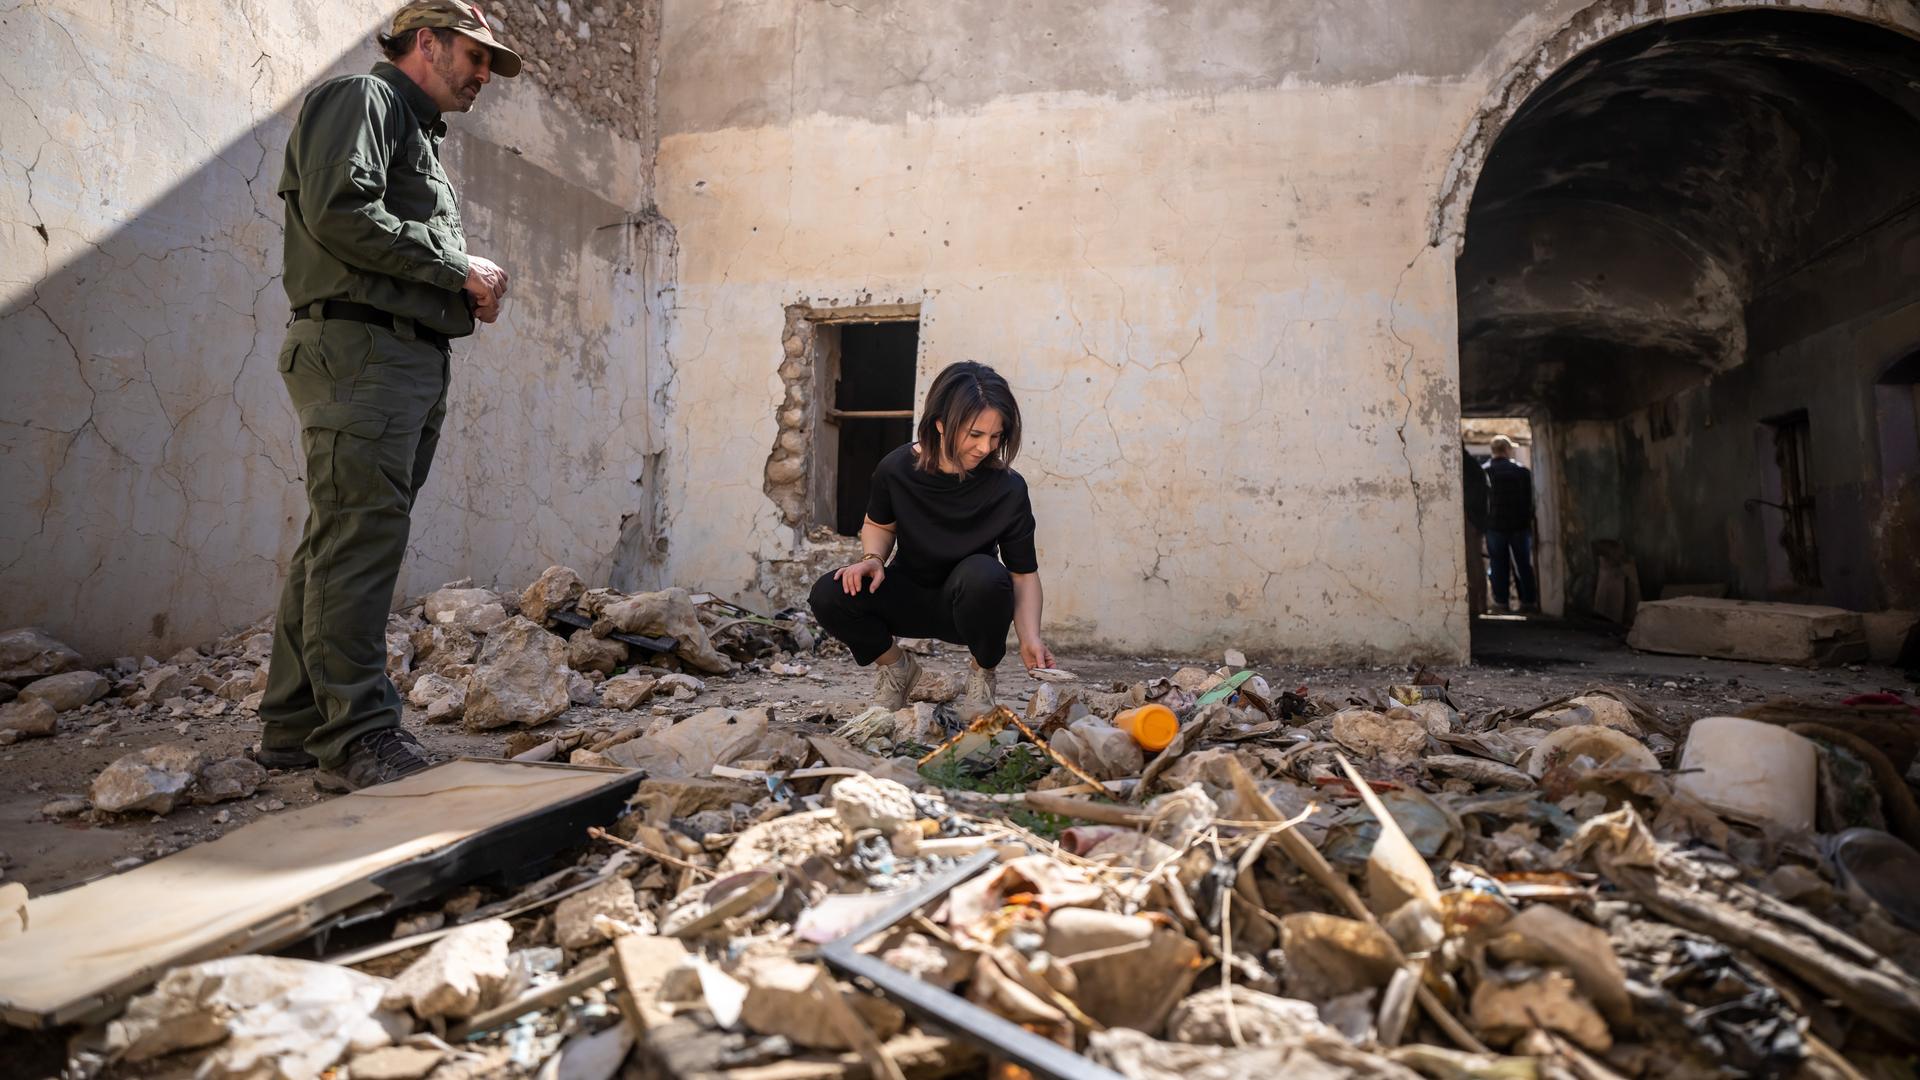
x,y
148,464
1211,246
1215,368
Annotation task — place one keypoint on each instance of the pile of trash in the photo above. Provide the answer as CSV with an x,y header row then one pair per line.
x,y
1201,874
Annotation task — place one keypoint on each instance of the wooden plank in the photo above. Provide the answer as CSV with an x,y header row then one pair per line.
x,y
259,886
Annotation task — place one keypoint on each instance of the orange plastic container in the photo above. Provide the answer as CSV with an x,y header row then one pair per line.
x,y
1153,726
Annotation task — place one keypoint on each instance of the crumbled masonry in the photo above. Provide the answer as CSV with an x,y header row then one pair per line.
x,y
1381,884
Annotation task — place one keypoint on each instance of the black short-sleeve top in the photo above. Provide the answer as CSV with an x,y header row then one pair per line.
x,y
939,518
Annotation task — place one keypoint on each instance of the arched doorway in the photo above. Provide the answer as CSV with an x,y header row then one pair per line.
x,y
1687,257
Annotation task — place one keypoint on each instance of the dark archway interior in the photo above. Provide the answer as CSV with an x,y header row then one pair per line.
x,y
1685,231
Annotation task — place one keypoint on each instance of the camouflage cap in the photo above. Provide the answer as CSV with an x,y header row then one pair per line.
x,y
462,16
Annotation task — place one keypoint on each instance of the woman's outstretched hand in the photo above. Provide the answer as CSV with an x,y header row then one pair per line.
x,y
1035,654
851,577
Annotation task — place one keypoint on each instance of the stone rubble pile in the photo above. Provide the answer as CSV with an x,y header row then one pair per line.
x,y
1381,886
459,654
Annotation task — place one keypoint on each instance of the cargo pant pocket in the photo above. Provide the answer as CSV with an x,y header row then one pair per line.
x,y
353,460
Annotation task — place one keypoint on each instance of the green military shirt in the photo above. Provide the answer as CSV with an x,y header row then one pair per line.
x,y
371,216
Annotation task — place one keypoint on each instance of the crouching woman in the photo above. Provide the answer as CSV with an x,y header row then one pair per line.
x,y
947,546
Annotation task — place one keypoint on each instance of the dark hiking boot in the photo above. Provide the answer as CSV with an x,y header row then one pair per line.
x,y
284,760
377,757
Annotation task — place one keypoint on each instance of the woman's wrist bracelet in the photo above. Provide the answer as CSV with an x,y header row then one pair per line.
x,y
882,559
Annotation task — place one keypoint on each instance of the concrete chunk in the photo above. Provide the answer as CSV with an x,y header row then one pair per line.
x,y
1807,635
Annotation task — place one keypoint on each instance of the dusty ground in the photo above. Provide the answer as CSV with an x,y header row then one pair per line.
x,y
1517,662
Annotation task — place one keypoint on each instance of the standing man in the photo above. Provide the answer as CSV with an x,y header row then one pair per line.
x,y
380,281
1510,525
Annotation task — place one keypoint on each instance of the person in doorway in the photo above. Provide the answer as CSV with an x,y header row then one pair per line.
x,y
1510,525
947,546
380,281
1473,497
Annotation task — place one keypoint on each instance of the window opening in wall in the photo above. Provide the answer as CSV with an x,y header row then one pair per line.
x,y
1789,492
870,370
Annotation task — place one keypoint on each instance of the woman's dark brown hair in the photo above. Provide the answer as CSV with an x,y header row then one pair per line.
x,y
959,394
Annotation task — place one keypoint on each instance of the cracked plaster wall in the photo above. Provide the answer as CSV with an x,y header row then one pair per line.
x,y
148,457
1234,347
1211,245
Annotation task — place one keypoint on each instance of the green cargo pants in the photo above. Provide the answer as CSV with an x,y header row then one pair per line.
x,y
370,401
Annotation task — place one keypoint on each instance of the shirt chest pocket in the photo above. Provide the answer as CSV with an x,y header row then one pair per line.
x,y
427,192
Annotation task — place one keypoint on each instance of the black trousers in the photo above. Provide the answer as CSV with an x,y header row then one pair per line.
x,y
974,607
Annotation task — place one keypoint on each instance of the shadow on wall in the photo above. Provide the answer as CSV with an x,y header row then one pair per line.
x,y
148,458
146,449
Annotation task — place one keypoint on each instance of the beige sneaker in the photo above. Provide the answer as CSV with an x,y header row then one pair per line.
x,y
896,681
977,698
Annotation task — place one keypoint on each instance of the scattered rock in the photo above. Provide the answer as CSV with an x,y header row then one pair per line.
x,y
457,975
627,691
588,653
232,778
1370,734
443,698
684,796
257,648
476,611
683,687
919,723
1263,1019
557,588
668,613
159,684
784,998
521,678
1592,709
66,807
67,691
791,839
271,1016
423,923
153,780
580,689
1503,1010
400,650
27,653
694,745
938,687
27,720
866,802
573,921
440,649
395,1063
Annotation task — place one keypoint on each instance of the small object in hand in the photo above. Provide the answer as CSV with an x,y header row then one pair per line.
x,y
1052,674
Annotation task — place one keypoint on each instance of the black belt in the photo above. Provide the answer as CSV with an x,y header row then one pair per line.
x,y
367,313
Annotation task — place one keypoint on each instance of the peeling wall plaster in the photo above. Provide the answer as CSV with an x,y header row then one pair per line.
x,y
148,460
1224,291
1233,348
